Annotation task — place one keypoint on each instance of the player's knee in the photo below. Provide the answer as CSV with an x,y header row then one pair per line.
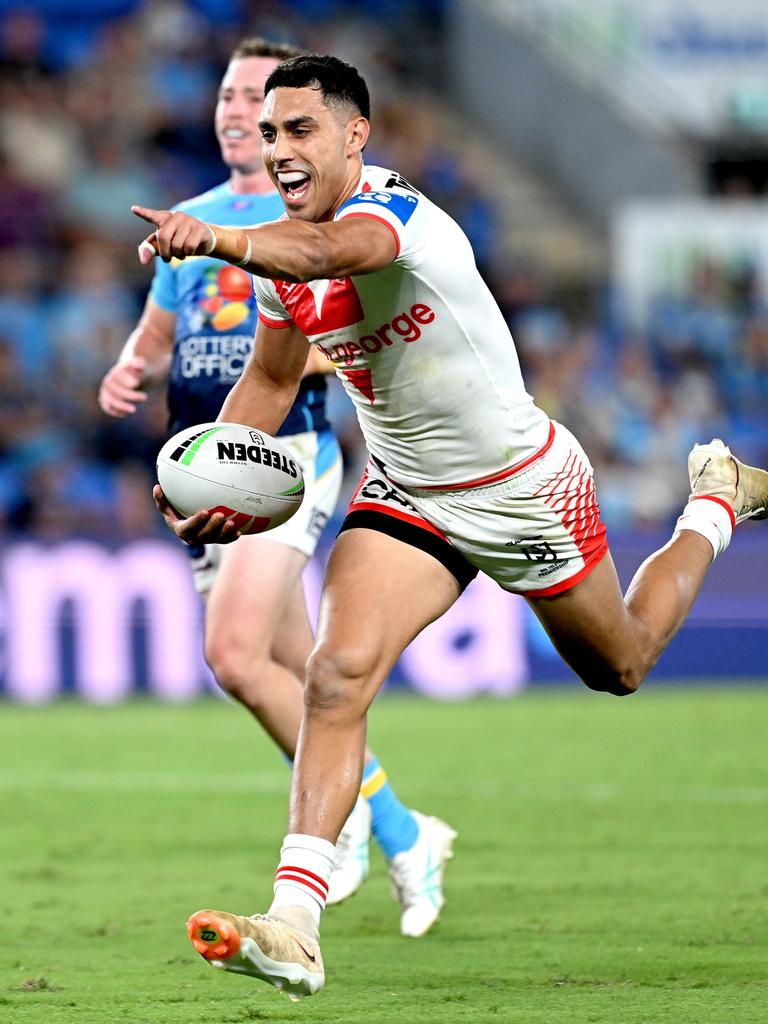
x,y
619,680
337,681
237,673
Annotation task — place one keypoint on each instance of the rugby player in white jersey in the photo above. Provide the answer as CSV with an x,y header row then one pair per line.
x,y
257,635
466,473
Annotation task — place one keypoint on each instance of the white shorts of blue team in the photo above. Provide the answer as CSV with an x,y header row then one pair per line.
x,y
320,458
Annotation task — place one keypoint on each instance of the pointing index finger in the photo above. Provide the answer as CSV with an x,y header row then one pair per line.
x,y
156,217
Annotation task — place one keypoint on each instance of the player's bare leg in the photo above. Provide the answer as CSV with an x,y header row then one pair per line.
x,y
352,862
258,639
254,591
366,621
611,641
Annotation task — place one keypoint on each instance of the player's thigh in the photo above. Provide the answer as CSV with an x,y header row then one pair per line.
x,y
379,593
253,586
590,624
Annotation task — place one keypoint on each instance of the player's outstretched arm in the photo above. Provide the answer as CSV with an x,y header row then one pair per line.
x,y
143,363
286,250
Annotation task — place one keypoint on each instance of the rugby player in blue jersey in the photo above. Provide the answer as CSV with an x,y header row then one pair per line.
x,y
196,333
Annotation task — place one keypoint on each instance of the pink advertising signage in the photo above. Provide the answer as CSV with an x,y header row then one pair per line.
x,y
476,648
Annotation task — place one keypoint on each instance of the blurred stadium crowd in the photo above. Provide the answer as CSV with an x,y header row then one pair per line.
x,y
110,103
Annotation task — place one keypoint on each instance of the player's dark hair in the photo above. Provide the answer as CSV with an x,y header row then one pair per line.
x,y
255,46
338,81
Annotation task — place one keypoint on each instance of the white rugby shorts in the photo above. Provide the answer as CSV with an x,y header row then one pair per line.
x,y
320,459
538,532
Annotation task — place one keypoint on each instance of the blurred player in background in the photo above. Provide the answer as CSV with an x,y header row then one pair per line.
x,y
466,473
196,332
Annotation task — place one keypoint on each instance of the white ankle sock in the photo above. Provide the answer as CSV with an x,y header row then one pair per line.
x,y
301,879
712,518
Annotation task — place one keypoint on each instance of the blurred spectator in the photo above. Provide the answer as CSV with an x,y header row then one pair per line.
x,y
133,513
26,211
22,309
38,138
91,316
22,45
698,328
100,195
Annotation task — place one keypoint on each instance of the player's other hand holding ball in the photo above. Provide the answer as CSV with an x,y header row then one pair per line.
x,y
203,527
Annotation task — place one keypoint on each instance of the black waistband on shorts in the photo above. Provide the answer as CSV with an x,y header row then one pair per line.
x,y
416,537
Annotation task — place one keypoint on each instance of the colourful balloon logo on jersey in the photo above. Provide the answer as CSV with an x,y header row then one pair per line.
x,y
227,297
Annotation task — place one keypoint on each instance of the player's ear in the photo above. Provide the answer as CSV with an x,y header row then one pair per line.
x,y
358,130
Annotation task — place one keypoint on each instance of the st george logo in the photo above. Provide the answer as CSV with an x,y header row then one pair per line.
x,y
321,306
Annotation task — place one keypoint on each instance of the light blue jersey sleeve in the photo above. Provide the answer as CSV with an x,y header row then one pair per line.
x,y
163,288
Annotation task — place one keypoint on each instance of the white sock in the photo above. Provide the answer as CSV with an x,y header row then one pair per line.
x,y
710,517
301,879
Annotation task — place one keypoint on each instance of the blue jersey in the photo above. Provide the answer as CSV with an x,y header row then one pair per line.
x,y
216,319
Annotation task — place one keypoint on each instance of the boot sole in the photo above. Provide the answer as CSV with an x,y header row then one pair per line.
x,y
245,956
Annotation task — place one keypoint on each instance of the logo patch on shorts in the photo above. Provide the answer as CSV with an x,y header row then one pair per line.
x,y
536,549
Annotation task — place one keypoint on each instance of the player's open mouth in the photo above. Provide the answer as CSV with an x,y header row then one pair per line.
x,y
293,184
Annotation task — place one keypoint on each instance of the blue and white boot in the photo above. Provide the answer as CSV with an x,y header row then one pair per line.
x,y
350,868
417,875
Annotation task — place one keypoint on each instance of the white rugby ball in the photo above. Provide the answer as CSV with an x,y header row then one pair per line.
x,y
226,467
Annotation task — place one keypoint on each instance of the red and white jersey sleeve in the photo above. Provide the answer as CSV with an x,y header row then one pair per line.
x,y
393,208
421,347
271,310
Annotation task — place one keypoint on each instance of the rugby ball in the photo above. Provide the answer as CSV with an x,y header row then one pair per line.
x,y
226,467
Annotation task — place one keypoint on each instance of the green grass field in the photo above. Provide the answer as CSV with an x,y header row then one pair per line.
x,y
610,866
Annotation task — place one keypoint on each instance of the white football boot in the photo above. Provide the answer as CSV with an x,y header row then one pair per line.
x,y
269,948
350,868
417,875
715,473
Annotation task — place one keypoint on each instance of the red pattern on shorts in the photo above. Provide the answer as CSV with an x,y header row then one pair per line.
x,y
572,498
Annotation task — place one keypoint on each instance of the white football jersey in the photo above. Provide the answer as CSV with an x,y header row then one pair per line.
x,y
421,347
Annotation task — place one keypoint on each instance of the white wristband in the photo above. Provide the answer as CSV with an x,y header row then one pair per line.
x,y
214,240
248,253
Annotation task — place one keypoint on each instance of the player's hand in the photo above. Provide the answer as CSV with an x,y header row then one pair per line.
x,y
120,390
203,527
178,235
